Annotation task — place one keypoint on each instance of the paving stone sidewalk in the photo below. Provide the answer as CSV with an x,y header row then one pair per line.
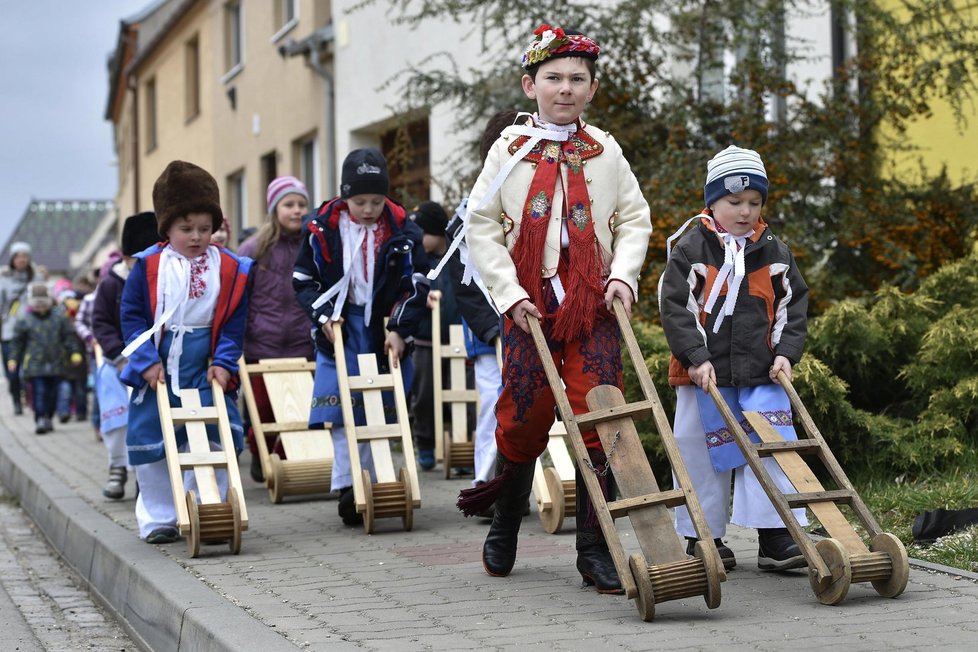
x,y
305,580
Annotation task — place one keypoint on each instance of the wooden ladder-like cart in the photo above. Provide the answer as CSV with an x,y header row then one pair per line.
x,y
661,571
394,494
843,558
554,486
455,446
308,459
213,519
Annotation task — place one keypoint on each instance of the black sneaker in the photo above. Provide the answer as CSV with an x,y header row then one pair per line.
x,y
776,550
164,534
256,471
347,508
726,554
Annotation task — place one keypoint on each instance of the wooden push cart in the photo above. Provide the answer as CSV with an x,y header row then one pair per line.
x,y
457,444
213,519
661,571
843,558
554,486
308,461
393,494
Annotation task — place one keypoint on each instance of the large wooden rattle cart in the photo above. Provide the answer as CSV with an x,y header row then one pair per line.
x,y
661,571
455,445
212,519
308,461
843,558
393,495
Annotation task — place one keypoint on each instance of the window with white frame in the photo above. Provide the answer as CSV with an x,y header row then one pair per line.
x,y
286,17
237,201
233,35
306,153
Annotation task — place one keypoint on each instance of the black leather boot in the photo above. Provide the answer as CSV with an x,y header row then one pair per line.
x,y
594,561
499,550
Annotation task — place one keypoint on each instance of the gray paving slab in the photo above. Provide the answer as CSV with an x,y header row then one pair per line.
x,y
305,580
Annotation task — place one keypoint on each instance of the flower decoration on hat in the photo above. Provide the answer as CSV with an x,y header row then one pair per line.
x,y
550,42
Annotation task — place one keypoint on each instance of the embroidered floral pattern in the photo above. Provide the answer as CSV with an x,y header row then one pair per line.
x,y
778,418
198,267
583,147
602,353
539,205
580,215
524,372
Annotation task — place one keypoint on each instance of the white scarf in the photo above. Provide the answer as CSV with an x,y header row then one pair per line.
x,y
354,275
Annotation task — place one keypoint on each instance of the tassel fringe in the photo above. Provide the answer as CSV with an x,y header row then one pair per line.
x,y
476,500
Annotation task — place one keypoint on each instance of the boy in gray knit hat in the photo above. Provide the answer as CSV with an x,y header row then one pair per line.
x,y
733,307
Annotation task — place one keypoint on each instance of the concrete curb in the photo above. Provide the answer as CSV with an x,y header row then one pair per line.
x,y
163,606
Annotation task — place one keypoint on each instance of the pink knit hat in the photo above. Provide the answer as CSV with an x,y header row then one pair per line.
x,y
282,186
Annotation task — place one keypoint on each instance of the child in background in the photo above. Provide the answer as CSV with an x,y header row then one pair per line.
x,y
15,279
139,232
361,260
271,300
430,217
73,388
733,307
46,345
565,235
83,328
183,317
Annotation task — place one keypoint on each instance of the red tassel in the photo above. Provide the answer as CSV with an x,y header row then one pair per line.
x,y
477,500
584,291
528,258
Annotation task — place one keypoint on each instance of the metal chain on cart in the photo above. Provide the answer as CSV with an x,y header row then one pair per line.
x,y
607,463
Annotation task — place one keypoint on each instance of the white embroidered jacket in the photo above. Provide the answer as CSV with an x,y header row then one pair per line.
x,y
622,222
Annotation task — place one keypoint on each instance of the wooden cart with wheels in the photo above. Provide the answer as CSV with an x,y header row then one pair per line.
x,y
457,444
212,519
843,558
554,486
394,494
308,461
661,571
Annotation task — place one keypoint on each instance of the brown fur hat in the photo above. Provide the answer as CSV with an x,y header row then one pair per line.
x,y
185,188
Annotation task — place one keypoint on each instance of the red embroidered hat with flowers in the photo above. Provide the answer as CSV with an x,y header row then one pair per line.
x,y
553,42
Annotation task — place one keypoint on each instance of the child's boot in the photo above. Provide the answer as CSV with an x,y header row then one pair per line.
x,y
726,554
594,561
776,550
115,488
346,507
499,550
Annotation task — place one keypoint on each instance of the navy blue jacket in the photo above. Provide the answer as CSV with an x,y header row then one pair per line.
x,y
400,286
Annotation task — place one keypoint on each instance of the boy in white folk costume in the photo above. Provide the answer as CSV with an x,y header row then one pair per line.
x,y
558,229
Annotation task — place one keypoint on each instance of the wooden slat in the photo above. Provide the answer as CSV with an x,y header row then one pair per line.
x,y
802,447
637,410
287,426
669,498
216,459
460,396
272,365
371,381
837,496
379,432
185,414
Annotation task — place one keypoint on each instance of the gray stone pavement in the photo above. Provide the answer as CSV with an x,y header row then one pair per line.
x,y
305,580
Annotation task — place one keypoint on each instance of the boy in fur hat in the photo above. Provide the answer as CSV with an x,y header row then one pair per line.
x,y
46,342
183,317
361,260
564,236
733,307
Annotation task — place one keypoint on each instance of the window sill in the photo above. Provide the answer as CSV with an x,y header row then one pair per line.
x,y
232,73
286,28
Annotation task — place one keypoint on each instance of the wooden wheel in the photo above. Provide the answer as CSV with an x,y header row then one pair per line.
x,y
368,513
447,454
275,481
714,571
553,518
897,581
832,590
408,518
646,594
235,541
193,538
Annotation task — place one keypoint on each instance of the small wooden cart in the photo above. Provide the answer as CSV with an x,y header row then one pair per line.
x,y
843,558
662,571
394,494
213,519
308,459
554,486
458,442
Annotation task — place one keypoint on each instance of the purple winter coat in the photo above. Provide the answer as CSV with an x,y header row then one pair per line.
x,y
277,327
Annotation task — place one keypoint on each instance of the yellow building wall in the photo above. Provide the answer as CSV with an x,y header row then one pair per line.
x,y
939,139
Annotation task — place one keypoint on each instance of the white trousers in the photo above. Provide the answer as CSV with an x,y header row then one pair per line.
x,y
115,444
342,473
488,380
154,505
751,506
